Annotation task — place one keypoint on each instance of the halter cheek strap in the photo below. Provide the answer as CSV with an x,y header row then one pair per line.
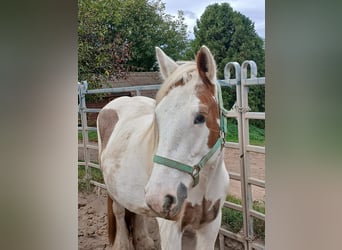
x,y
195,170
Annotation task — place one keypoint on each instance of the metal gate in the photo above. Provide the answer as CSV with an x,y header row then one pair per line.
x,y
240,111
243,114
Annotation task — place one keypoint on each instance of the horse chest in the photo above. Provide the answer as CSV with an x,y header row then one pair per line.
x,y
196,215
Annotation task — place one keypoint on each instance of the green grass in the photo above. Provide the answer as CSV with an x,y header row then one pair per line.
x,y
92,136
233,220
256,135
96,175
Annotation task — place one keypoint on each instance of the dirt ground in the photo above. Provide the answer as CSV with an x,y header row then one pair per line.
x,y
92,208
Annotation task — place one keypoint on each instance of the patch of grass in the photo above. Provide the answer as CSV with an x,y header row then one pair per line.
x,y
92,136
256,135
259,225
96,175
232,131
81,181
259,206
233,220
259,228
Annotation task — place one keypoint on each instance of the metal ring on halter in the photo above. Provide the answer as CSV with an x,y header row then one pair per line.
x,y
195,174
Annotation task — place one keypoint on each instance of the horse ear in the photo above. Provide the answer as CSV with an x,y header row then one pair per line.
x,y
166,64
206,64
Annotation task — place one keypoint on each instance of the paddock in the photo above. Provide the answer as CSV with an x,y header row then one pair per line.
x,y
245,162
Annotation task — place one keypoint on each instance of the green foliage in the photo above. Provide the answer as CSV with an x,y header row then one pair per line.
x,y
147,25
231,36
92,136
232,131
102,50
259,225
233,220
256,135
228,96
96,175
116,36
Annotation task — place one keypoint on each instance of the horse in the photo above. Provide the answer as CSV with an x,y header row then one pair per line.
x,y
163,158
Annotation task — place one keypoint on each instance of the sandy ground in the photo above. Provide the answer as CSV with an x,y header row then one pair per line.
x,y
257,170
92,208
92,221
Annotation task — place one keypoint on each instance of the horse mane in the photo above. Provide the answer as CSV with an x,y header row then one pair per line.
x,y
180,76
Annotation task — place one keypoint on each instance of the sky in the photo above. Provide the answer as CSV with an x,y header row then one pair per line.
x,y
193,9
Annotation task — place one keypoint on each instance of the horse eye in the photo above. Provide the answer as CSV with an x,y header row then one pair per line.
x,y
199,119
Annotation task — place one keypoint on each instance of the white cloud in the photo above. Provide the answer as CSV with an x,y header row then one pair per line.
x,y
193,9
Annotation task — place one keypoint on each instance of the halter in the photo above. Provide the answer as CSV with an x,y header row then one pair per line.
x,y
195,170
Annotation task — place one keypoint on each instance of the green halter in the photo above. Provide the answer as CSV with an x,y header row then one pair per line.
x,y
195,170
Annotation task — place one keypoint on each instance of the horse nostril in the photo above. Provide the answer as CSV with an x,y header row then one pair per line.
x,y
168,201
182,193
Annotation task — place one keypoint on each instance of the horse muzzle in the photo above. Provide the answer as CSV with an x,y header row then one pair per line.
x,y
165,204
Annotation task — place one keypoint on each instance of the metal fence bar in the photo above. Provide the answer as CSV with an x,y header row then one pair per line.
x,y
255,115
231,145
255,81
235,176
82,89
92,110
92,147
256,182
247,179
88,128
246,191
231,235
98,184
257,149
124,89
257,214
233,206
94,165
257,246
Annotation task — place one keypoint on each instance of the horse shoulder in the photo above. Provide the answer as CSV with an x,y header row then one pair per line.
x,y
106,122
123,108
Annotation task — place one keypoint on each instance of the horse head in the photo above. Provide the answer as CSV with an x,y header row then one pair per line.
x,y
187,116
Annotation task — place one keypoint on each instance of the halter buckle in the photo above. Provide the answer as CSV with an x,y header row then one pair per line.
x,y
195,174
223,136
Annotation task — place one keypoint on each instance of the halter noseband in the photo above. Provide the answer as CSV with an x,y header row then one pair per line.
x,y
195,170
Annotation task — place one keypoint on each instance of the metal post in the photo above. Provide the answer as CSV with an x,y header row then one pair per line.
x,y
82,106
221,241
248,199
241,136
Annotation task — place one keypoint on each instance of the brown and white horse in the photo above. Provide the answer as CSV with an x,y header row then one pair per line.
x,y
164,158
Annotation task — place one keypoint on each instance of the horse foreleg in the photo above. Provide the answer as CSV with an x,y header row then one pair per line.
x,y
120,240
206,235
141,237
170,235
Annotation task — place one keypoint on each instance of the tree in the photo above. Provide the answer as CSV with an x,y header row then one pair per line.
x,y
102,52
146,25
117,36
231,37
